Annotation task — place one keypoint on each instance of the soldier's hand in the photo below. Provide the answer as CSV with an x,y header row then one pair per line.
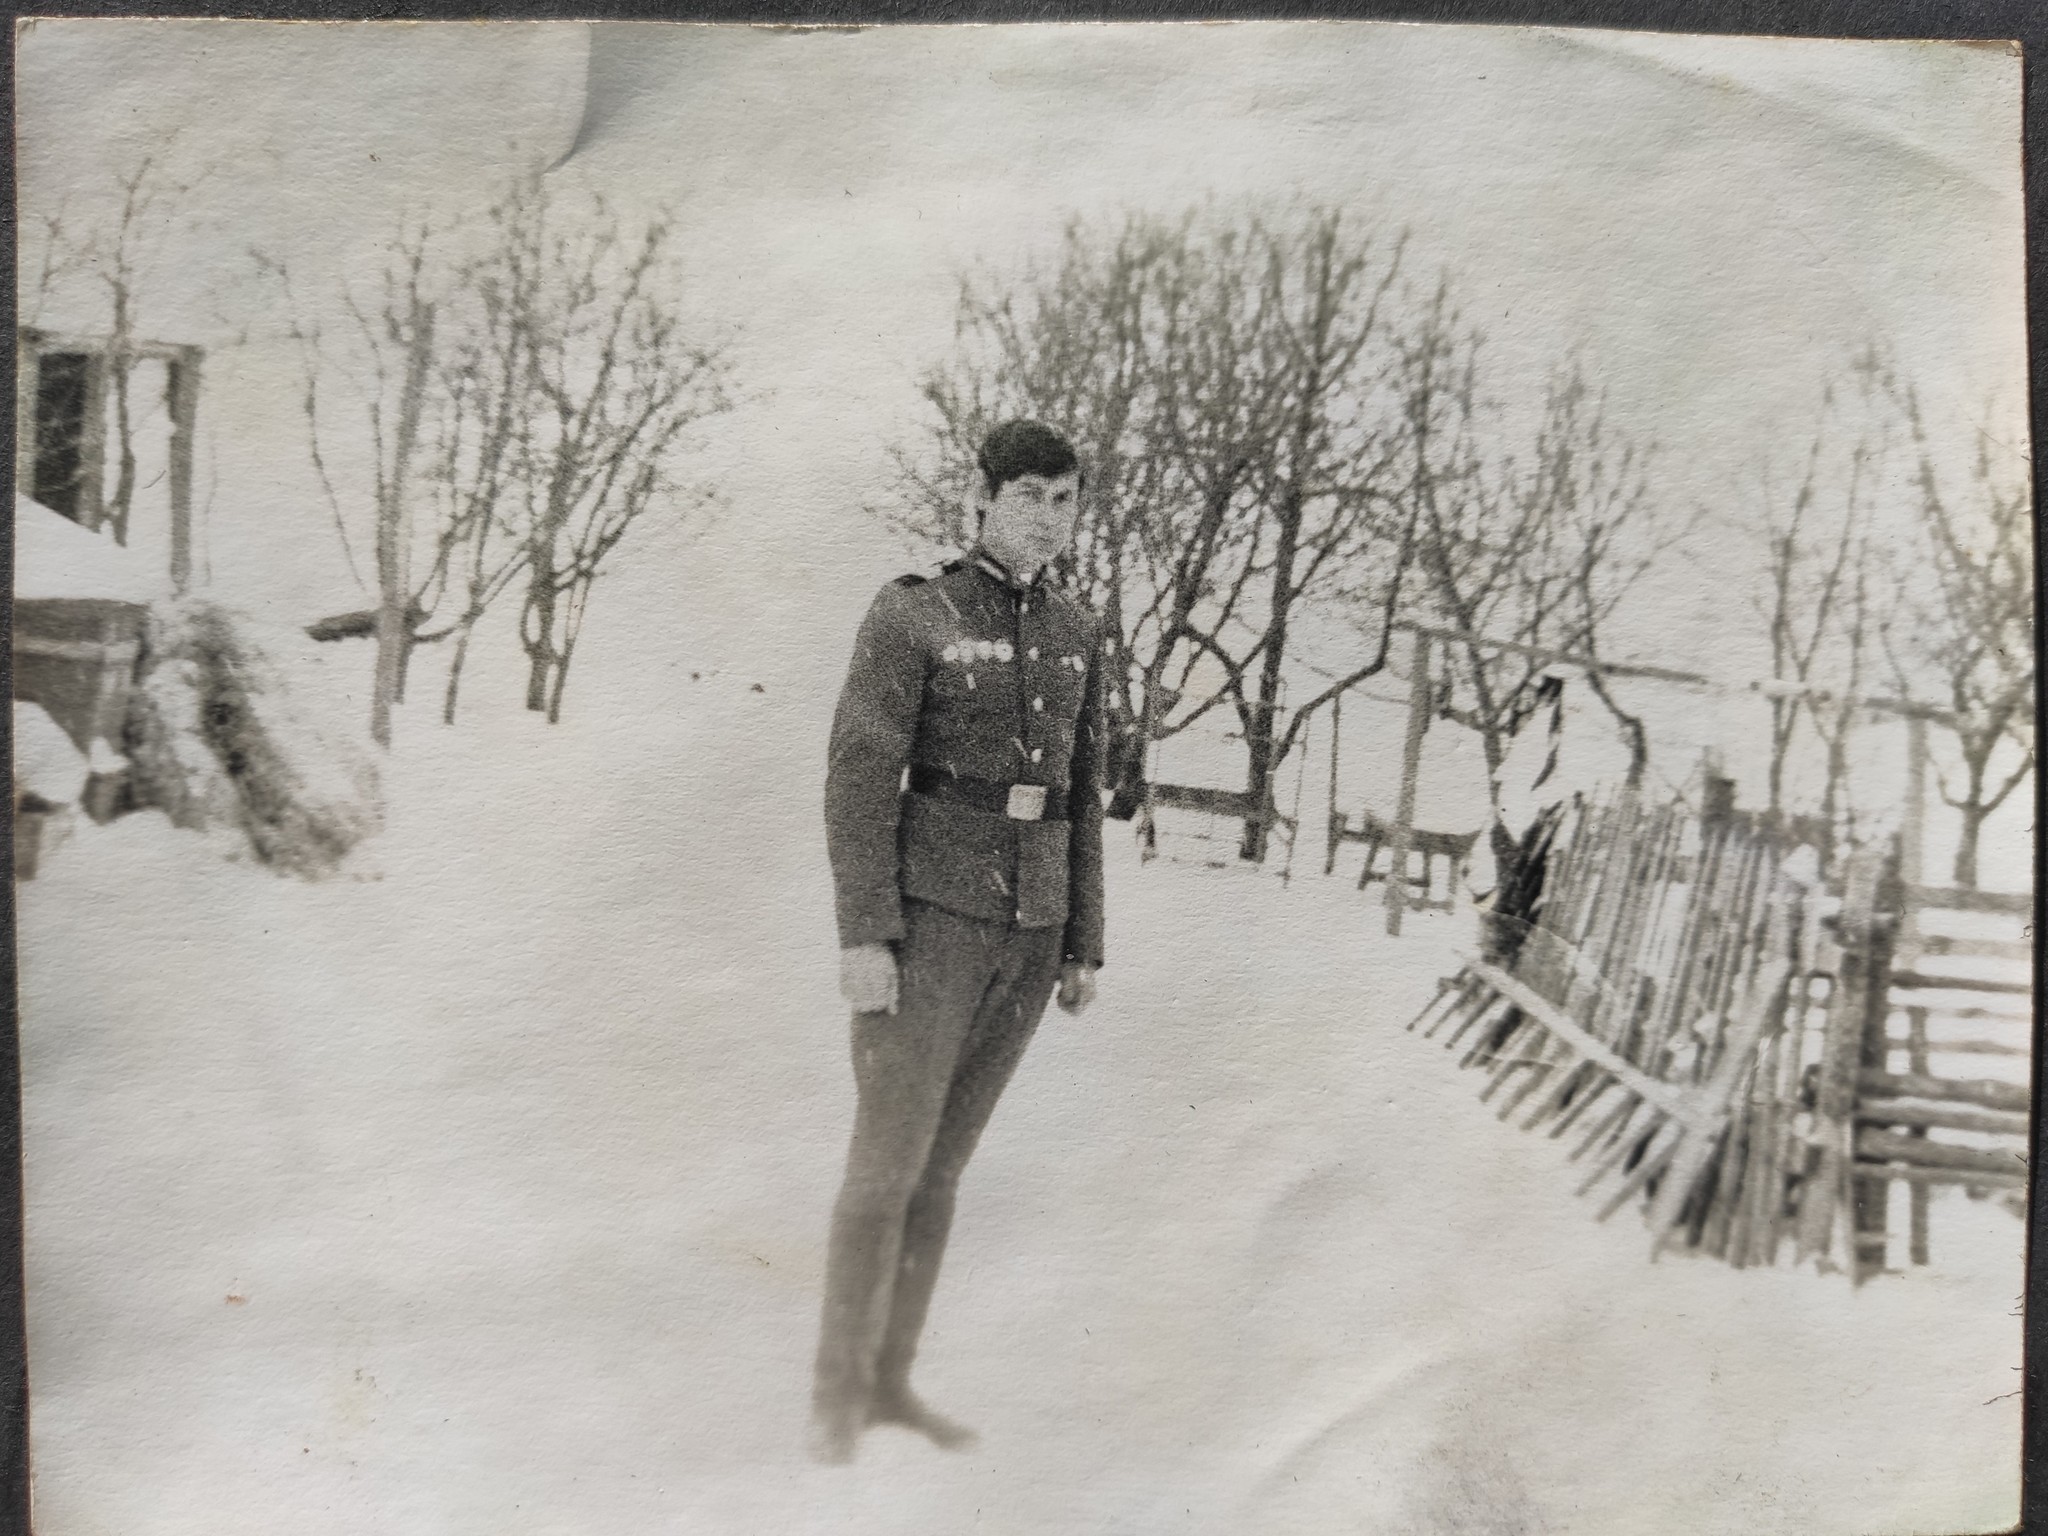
x,y
1077,986
867,978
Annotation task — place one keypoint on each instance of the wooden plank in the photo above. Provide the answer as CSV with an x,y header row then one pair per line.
x,y
1906,1174
1656,1158
1976,949
1680,1105
1920,981
1486,1011
1235,804
1991,1122
1543,653
1486,1048
1950,898
117,651
80,341
1911,1085
2023,1013
1608,1126
1450,991
1916,1152
1738,1051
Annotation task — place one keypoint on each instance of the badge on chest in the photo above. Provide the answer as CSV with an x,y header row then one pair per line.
x,y
968,652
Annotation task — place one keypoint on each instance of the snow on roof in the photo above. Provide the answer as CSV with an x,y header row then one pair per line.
x,y
55,557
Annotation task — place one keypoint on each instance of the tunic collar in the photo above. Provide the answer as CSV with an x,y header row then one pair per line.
x,y
990,565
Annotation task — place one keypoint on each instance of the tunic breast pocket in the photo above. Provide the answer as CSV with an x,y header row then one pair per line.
x,y
969,686
970,712
1061,684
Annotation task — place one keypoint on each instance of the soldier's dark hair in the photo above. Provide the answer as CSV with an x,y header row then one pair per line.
x,y
1019,448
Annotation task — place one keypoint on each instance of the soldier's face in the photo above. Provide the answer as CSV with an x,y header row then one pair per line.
x,y
1031,519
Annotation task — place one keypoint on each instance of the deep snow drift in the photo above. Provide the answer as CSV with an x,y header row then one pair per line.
x,y
483,1190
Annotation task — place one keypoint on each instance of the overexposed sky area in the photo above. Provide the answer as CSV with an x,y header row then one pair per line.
x,y
1714,224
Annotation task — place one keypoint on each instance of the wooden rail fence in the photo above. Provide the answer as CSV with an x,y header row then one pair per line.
x,y
1712,1027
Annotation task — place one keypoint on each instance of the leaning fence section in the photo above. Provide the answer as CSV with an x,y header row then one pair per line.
x,y
1704,1021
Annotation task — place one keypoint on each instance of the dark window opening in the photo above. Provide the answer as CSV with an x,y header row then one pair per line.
x,y
63,381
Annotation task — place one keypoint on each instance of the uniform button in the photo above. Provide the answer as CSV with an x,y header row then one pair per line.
x,y
1038,704
1032,653
1037,753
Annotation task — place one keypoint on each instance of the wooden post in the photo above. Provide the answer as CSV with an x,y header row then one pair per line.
x,y
1912,838
1411,766
92,445
1333,832
181,395
27,375
1841,1057
1916,1056
1871,1193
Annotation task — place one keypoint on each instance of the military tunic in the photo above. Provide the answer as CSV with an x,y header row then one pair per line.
x,y
961,686
966,675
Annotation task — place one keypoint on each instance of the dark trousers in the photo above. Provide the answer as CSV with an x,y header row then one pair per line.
x,y
929,1075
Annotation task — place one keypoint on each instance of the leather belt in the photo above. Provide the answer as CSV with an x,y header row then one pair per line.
x,y
1020,802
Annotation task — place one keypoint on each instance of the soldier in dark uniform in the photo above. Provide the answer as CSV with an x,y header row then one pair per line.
x,y
963,817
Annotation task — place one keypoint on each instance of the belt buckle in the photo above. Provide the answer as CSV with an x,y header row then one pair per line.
x,y
1027,802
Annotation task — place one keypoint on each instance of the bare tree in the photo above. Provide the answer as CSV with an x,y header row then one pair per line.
x,y
1224,380
51,254
527,385
1966,625
474,465
1073,342
1327,489
614,381
102,257
1522,559
383,363
1817,605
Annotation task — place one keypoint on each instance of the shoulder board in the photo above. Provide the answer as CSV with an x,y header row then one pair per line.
x,y
930,572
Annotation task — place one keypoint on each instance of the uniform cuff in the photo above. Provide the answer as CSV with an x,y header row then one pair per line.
x,y
871,928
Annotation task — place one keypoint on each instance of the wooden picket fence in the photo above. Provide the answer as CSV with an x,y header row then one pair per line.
x,y
1707,1022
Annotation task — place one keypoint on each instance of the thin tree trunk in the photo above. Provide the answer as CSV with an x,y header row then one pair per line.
x,y
560,682
1259,728
1782,722
539,664
124,439
463,631
1632,725
1976,761
394,595
540,644
122,366
1127,772
1966,851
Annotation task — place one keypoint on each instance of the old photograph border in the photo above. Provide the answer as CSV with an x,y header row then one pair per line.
x,y
1874,19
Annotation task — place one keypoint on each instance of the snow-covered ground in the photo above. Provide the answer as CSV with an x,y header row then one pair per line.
x,y
484,1192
